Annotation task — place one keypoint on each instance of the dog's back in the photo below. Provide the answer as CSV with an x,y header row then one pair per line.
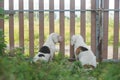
x,y
43,54
45,49
87,57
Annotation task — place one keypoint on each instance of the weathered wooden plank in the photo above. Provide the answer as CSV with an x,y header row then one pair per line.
x,y
72,25
83,19
93,26
1,19
62,27
51,16
41,23
21,25
31,29
116,31
11,26
105,31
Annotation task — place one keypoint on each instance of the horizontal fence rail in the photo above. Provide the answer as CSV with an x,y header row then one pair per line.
x,y
93,22
57,10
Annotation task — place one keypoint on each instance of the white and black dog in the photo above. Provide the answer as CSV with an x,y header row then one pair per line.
x,y
48,49
82,52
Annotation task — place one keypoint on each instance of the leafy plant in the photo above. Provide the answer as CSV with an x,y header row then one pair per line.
x,y
20,67
2,43
1,13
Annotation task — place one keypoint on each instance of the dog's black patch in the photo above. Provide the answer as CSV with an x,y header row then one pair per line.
x,y
83,48
45,49
41,55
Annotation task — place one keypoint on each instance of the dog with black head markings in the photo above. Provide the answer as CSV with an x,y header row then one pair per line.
x,y
48,49
82,52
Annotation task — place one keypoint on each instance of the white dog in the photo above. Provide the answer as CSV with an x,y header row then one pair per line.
x,y
82,52
47,51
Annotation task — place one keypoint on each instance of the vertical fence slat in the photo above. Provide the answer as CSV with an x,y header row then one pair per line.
x,y
31,29
21,25
82,19
98,31
116,31
41,23
93,26
62,44
105,31
2,20
72,25
51,16
11,25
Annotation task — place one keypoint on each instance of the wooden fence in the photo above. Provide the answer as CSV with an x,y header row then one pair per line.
x,y
99,24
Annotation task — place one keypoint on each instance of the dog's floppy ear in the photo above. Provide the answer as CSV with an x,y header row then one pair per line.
x,y
80,49
83,48
44,49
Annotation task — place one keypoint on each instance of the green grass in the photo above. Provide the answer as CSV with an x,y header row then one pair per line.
x,y
20,68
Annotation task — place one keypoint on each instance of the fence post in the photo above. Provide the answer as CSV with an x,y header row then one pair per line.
x,y
116,31
21,25
98,30
41,23
1,19
51,16
93,26
11,29
31,29
105,24
62,27
72,25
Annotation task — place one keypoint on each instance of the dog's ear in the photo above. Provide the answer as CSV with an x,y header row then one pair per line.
x,y
78,50
83,48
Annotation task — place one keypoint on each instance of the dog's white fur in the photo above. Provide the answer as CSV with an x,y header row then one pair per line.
x,y
50,43
85,57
